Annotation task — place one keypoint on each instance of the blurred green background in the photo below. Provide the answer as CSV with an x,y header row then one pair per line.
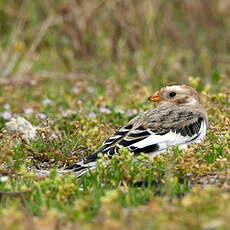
x,y
146,42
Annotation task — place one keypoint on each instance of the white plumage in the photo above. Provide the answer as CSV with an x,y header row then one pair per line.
x,y
179,120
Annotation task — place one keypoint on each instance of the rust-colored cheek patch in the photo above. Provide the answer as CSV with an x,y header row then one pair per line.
x,y
182,100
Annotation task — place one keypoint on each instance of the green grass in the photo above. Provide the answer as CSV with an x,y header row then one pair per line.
x,y
124,52
180,183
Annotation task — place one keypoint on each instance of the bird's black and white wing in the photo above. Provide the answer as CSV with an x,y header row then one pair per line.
x,y
151,132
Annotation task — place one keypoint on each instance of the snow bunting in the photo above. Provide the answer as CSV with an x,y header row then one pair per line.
x,y
178,120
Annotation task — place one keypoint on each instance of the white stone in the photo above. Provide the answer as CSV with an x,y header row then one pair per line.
x,y
21,125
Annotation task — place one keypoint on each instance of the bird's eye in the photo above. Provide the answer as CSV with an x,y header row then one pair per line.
x,y
172,94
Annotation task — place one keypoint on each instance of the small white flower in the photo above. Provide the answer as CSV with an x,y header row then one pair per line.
x,y
6,115
91,114
119,110
68,112
47,101
41,116
90,89
28,111
104,110
75,90
54,136
6,106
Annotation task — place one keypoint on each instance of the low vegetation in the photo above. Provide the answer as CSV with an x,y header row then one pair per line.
x,y
78,81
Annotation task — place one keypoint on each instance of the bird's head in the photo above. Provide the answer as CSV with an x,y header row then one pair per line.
x,y
176,95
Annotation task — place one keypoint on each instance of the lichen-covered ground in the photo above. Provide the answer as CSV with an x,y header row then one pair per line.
x,y
77,88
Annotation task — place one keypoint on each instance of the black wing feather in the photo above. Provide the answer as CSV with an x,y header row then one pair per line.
x,y
129,134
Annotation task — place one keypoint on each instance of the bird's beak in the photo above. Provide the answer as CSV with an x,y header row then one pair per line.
x,y
155,97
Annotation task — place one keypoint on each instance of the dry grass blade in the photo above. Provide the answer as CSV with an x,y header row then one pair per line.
x,y
8,57
26,63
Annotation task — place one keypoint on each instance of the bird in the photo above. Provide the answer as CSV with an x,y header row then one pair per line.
x,y
178,120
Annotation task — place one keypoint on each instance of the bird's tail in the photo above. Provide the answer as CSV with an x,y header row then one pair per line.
x,y
78,169
81,167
